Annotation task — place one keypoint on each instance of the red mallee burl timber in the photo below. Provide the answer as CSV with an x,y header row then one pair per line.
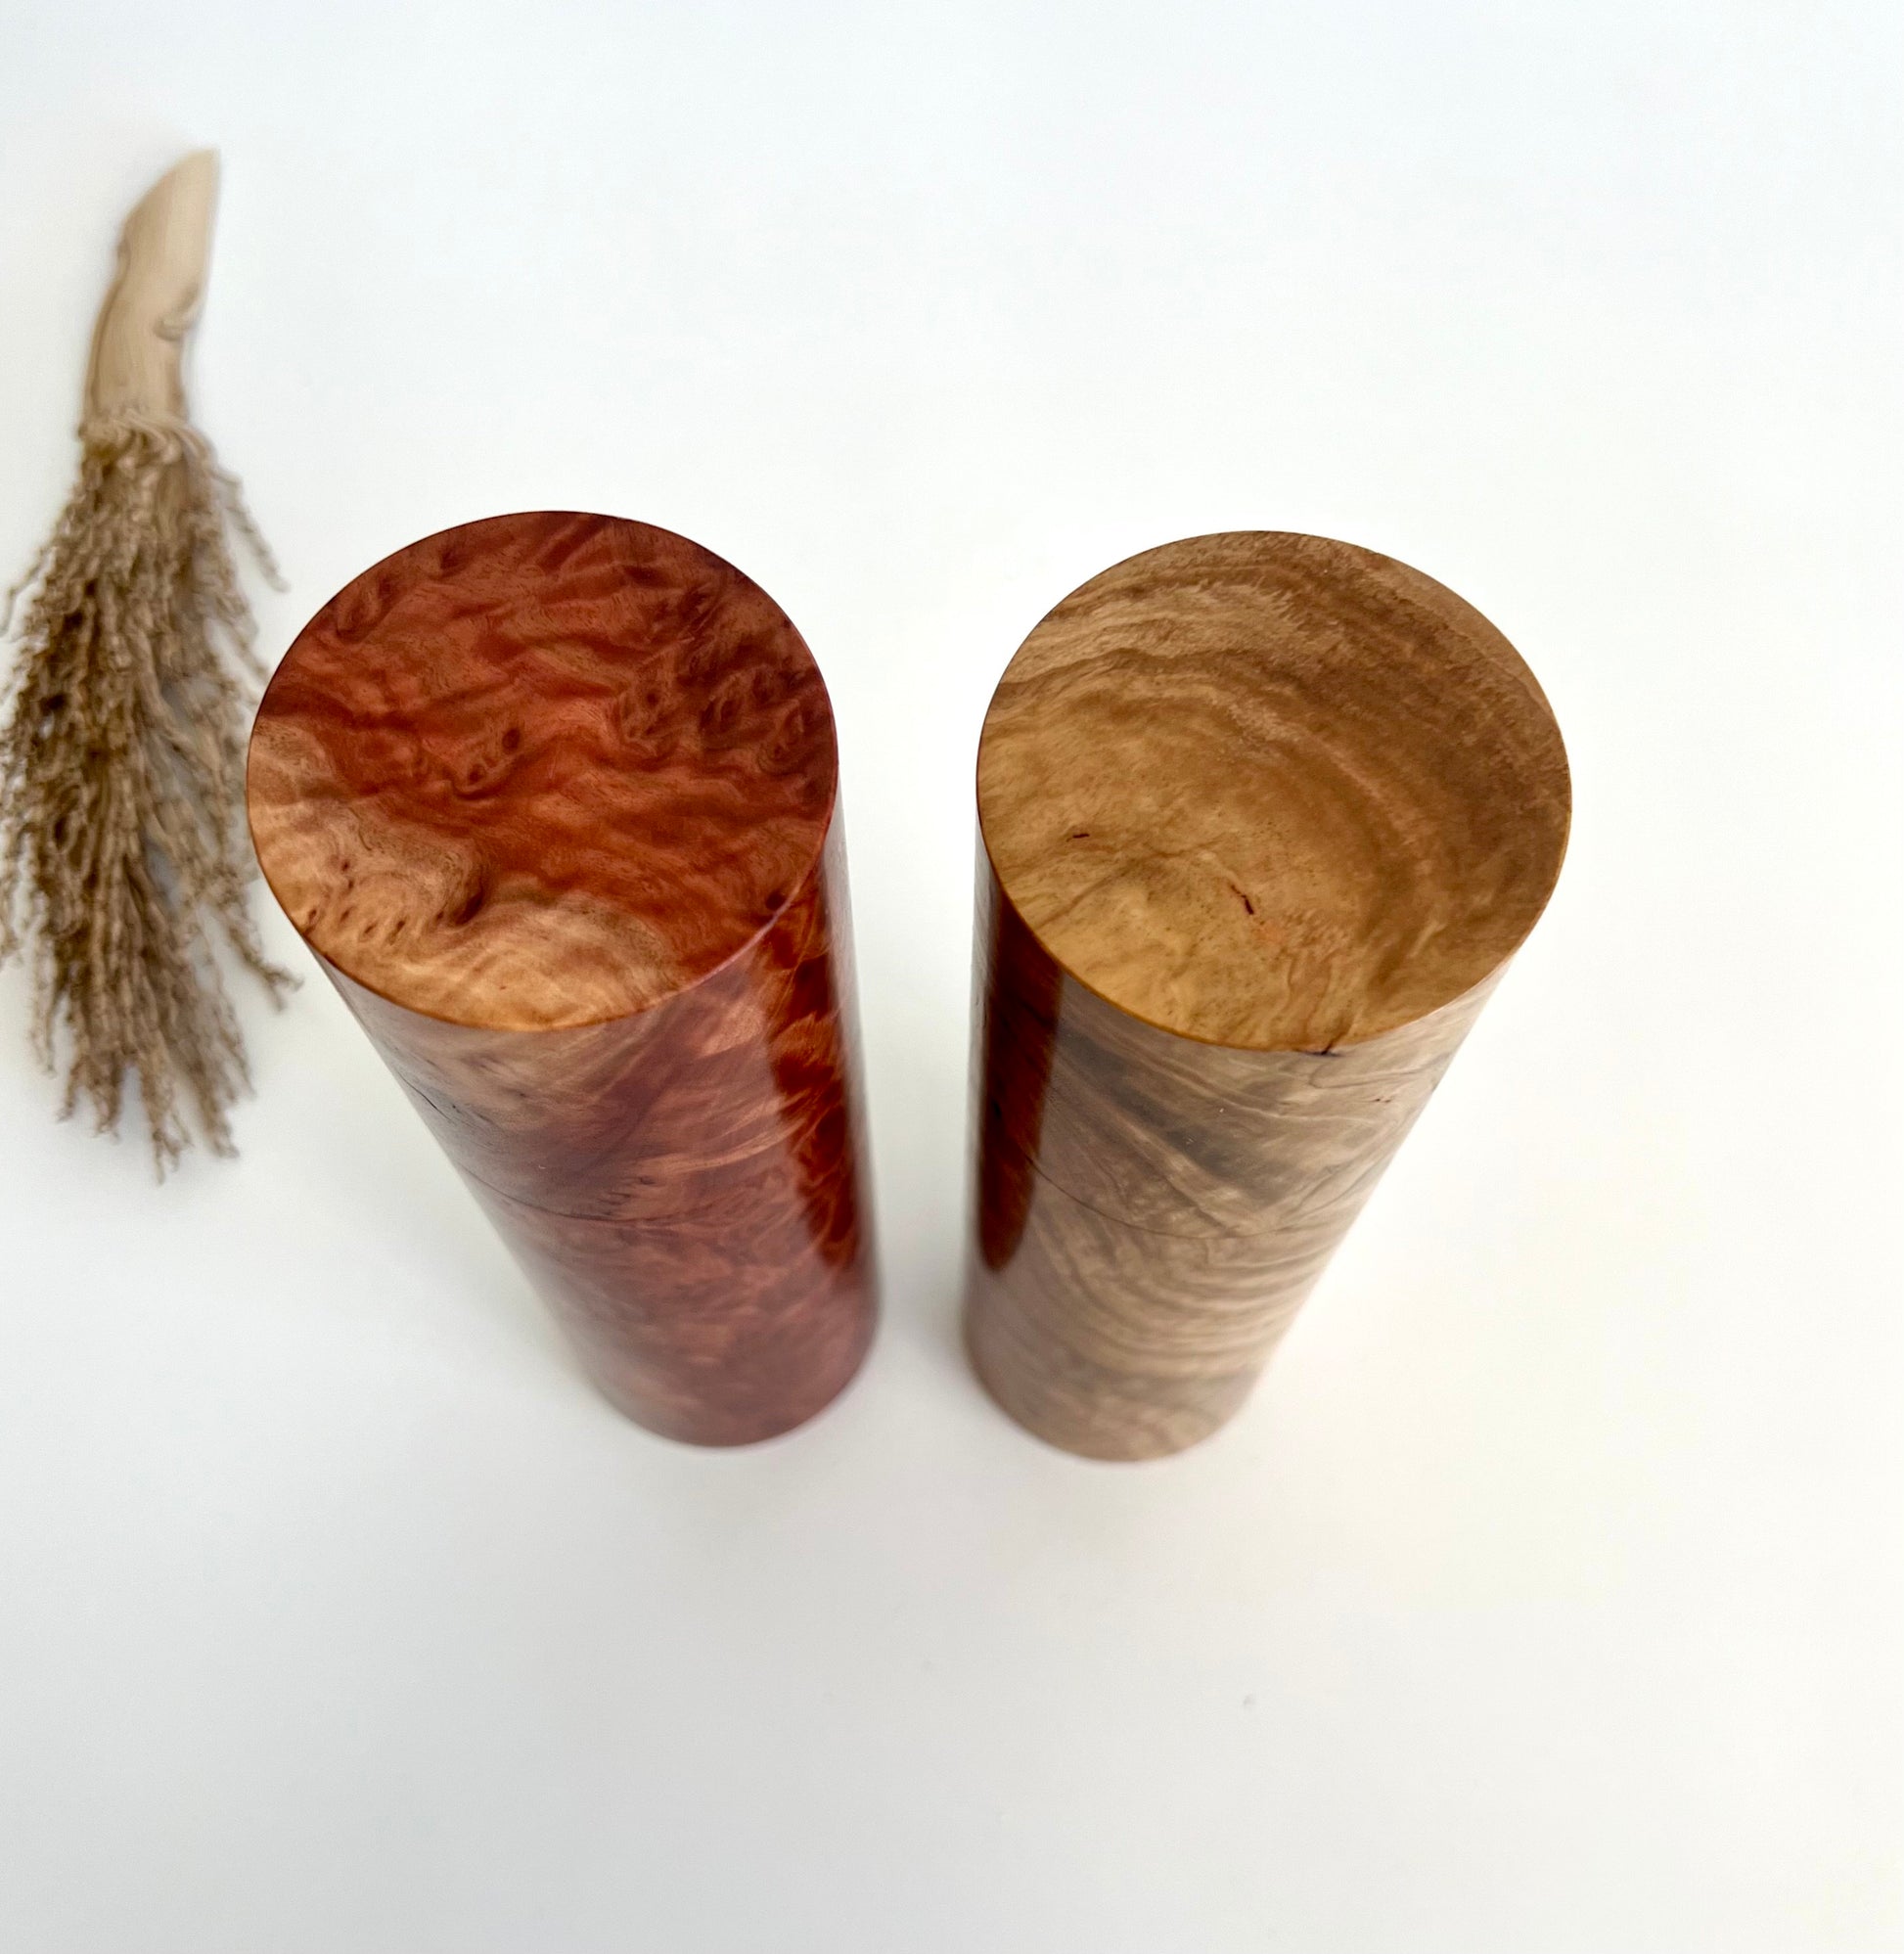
x,y
553,799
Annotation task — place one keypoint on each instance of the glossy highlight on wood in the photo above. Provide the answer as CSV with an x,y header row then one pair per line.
x,y
551,797
1264,817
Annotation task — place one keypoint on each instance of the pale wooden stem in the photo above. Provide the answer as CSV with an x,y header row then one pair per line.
x,y
136,369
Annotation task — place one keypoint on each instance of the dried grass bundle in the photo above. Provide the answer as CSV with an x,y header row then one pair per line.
x,y
122,857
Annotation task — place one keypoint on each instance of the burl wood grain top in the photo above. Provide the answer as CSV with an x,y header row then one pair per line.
x,y
541,771
1272,792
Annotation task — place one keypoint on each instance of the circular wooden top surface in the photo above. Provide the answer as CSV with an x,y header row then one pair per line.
x,y
542,770
1272,792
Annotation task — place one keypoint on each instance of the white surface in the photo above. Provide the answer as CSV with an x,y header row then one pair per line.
x,y
1547,1597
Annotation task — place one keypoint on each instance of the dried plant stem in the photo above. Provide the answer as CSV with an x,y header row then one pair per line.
x,y
120,776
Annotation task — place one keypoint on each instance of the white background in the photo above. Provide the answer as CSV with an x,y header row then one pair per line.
x,y
1547,1596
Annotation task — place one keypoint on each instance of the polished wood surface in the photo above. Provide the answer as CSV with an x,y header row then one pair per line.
x,y
553,799
1263,819
1272,791
542,771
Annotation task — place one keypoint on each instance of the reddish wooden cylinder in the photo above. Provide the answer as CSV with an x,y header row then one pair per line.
x,y
553,800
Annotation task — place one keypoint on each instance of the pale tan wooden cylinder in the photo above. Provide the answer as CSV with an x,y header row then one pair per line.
x,y
1264,817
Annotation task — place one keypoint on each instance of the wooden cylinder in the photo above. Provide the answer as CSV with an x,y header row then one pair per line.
x,y
553,800
1263,817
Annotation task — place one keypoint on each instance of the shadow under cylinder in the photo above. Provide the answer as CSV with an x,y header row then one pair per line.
x,y
1262,819
553,799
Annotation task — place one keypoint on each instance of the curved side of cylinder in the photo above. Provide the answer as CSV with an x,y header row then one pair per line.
x,y
1151,1211
682,1186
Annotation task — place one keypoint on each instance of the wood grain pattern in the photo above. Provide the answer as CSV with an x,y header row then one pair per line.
x,y
551,797
1264,817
